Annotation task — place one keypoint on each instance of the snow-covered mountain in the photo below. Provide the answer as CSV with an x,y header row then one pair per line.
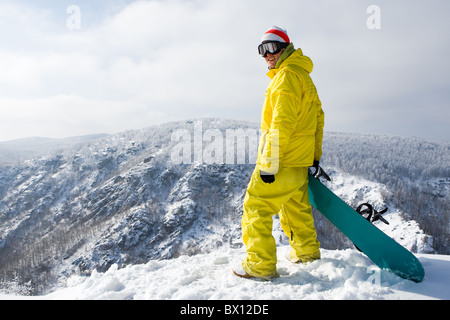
x,y
155,194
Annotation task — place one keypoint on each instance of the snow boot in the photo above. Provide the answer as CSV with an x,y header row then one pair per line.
x,y
240,272
303,259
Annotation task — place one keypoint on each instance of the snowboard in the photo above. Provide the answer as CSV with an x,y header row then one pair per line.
x,y
385,252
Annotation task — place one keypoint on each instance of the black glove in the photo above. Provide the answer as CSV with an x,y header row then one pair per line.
x,y
316,166
267,177
319,171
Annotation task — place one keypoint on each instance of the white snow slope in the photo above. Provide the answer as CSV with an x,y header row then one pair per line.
x,y
340,274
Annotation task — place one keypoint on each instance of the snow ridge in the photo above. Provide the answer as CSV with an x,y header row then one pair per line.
x,y
339,275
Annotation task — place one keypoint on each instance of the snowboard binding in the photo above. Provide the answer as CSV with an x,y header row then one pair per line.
x,y
367,211
371,213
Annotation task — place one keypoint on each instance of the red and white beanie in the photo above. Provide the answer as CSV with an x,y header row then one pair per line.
x,y
276,34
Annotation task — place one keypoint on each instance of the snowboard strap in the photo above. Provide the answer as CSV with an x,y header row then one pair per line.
x,y
371,213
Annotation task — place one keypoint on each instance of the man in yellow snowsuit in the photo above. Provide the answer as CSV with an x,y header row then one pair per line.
x,y
292,125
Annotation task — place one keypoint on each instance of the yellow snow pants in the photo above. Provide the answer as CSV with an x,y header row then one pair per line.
x,y
287,196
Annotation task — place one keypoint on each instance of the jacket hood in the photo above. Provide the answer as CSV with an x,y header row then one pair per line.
x,y
296,58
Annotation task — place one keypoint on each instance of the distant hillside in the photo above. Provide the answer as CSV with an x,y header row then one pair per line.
x,y
416,172
15,151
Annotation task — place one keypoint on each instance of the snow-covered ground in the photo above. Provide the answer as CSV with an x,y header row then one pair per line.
x,y
340,274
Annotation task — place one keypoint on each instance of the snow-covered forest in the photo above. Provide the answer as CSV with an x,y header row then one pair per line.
x,y
78,205
416,173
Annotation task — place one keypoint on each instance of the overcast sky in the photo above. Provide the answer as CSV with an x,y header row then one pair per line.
x,y
72,67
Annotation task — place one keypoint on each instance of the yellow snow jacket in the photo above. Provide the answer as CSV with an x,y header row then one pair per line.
x,y
292,117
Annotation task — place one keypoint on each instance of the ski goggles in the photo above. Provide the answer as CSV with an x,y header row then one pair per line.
x,y
272,47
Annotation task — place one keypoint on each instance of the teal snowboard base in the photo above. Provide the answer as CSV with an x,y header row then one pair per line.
x,y
380,248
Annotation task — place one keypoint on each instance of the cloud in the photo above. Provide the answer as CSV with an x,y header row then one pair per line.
x,y
146,62
65,116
